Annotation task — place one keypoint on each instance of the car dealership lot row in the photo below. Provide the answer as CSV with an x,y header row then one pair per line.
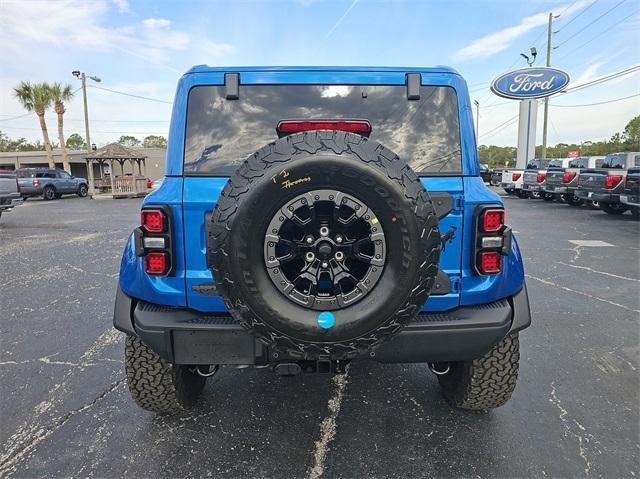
x,y
65,409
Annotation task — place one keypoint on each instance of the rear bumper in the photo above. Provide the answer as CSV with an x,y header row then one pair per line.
x,y
556,189
598,196
530,187
631,200
185,336
10,202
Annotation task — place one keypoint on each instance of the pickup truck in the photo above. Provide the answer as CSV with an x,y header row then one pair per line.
x,y
563,182
512,182
605,184
631,194
533,179
485,173
50,183
9,191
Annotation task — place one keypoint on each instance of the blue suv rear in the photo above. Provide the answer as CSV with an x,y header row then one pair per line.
x,y
310,217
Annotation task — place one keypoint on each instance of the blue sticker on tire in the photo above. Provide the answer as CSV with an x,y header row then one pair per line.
x,y
326,320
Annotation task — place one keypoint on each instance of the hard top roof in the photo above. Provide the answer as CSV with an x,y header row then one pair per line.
x,y
435,69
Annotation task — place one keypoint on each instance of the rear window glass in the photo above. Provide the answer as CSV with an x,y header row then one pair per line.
x,y
555,164
615,161
538,164
222,133
579,163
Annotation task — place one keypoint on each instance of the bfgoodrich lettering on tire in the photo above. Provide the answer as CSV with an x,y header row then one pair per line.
x,y
324,243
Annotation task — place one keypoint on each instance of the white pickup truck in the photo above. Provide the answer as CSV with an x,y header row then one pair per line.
x,y
9,191
512,182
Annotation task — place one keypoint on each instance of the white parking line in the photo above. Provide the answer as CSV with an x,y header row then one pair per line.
x,y
591,243
586,268
590,296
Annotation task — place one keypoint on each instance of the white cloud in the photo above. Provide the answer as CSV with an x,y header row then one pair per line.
x,y
156,22
588,74
122,5
496,42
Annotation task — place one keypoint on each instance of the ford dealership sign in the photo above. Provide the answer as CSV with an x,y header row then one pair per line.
x,y
527,83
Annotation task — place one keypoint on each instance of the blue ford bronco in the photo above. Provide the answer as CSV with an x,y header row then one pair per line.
x,y
310,217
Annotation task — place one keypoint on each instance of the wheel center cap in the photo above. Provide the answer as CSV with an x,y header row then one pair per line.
x,y
324,250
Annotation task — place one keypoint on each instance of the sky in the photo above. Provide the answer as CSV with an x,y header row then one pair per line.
x,y
142,48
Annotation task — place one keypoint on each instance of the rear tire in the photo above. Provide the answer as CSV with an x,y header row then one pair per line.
x,y
522,194
157,385
593,205
613,208
484,383
49,193
509,191
548,197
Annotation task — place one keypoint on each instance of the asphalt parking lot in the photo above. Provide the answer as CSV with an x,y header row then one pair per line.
x,y
65,409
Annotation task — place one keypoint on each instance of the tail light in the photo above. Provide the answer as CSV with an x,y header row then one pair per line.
x,y
17,185
492,240
516,176
287,127
541,177
568,176
36,183
612,181
153,241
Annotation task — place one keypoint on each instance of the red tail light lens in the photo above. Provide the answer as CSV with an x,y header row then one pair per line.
x,y
612,181
36,183
17,185
541,177
286,127
156,263
153,221
516,176
489,262
492,221
568,176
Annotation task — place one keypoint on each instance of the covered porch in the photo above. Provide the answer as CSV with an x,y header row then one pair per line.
x,y
122,172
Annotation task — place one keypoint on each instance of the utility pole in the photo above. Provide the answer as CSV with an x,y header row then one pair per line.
x,y
546,100
83,79
477,104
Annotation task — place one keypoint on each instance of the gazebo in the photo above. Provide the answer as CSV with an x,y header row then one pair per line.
x,y
131,184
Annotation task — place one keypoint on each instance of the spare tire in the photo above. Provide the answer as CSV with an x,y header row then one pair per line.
x,y
324,244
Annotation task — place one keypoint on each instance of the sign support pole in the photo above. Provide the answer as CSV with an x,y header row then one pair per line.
x,y
527,132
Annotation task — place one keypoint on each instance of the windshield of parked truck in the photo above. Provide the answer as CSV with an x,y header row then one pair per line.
x,y
580,162
555,164
222,133
616,160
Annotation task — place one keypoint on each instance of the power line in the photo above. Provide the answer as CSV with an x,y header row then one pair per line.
x,y
603,79
501,125
597,103
130,94
17,117
589,24
576,17
598,35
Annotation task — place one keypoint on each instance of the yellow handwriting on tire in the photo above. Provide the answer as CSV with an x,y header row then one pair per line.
x,y
290,184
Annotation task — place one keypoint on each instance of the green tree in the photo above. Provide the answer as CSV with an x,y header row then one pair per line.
x,y
154,141
128,140
76,142
59,94
36,97
631,134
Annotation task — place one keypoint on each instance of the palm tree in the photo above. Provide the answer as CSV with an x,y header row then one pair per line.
x,y
59,94
37,97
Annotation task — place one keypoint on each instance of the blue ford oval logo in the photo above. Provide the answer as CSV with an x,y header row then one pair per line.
x,y
535,82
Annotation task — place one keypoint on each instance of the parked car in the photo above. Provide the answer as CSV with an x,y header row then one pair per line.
x,y
485,173
9,191
496,177
556,167
323,246
631,194
533,179
50,183
564,181
512,181
605,184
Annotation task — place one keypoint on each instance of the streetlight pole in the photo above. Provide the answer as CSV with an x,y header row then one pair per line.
x,y
83,79
546,100
477,104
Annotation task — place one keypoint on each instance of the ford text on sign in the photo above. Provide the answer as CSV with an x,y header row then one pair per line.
x,y
527,83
